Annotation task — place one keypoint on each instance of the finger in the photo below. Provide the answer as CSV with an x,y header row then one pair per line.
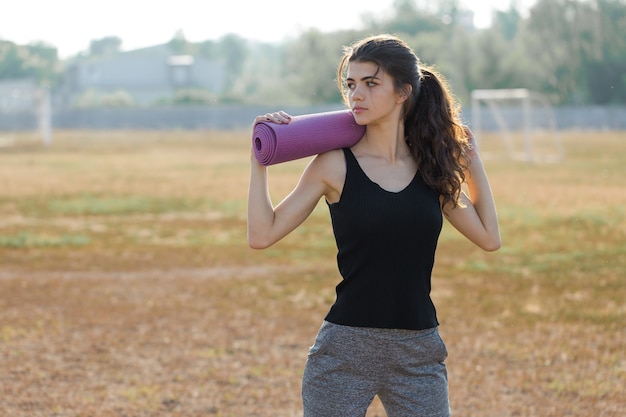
x,y
280,117
264,118
276,117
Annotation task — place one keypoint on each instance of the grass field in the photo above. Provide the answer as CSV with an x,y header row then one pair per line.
x,y
127,287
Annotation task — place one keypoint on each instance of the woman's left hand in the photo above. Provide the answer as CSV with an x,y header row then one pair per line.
x,y
472,145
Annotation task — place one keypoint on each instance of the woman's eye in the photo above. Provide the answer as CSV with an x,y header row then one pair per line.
x,y
371,84
350,86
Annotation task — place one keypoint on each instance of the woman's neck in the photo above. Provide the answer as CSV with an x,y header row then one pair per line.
x,y
385,141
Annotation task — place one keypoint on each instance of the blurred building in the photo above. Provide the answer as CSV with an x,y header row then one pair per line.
x,y
22,103
18,94
144,76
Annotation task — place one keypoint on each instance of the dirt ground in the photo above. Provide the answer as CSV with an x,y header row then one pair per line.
x,y
114,306
232,342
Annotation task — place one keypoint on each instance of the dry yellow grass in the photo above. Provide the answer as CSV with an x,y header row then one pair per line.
x,y
127,288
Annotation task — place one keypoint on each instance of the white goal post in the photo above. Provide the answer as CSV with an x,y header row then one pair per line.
x,y
44,114
523,118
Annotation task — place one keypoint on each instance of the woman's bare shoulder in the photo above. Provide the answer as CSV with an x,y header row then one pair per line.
x,y
332,162
331,167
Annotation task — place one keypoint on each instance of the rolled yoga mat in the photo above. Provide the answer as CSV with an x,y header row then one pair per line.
x,y
304,136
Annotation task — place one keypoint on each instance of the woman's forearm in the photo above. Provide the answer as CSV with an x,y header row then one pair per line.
x,y
481,196
260,208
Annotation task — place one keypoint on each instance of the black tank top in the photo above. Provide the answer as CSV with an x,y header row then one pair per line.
x,y
386,250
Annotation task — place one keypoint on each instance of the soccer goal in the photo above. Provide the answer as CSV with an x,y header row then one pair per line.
x,y
524,121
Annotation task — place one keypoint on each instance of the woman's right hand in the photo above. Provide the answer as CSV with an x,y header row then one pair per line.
x,y
279,117
276,117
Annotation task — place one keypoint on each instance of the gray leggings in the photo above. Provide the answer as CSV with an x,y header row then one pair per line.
x,y
348,366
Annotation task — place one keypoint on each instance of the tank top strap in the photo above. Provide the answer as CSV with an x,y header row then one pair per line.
x,y
350,158
352,165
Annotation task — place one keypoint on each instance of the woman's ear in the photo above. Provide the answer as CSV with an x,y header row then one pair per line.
x,y
404,93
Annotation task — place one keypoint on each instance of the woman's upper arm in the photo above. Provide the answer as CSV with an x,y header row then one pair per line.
x,y
300,203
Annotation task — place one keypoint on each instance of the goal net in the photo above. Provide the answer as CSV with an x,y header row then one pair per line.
x,y
522,119
26,106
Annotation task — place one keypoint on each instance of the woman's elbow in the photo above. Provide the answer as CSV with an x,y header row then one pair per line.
x,y
492,245
257,246
258,242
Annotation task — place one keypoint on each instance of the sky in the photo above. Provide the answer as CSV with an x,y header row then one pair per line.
x,y
70,25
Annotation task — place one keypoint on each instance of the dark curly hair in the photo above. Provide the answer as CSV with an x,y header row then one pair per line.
x,y
432,122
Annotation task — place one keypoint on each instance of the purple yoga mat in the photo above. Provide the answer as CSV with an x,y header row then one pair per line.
x,y
304,136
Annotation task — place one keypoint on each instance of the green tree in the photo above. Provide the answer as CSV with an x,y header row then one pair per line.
x,y
233,51
508,22
410,19
208,49
571,50
262,80
38,61
605,70
180,45
563,35
310,68
496,68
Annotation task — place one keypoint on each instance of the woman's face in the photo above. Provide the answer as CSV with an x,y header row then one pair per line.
x,y
372,94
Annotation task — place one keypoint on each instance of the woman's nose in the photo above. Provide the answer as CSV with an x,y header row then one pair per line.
x,y
356,94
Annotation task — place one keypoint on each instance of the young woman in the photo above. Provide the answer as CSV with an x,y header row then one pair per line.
x,y
387,197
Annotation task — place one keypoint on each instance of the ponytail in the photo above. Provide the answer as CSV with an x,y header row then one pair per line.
x,y
436,136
